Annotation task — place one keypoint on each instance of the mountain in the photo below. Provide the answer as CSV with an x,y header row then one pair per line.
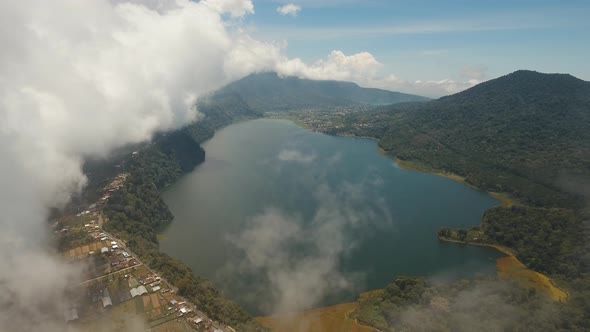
x,y
266,92
526,133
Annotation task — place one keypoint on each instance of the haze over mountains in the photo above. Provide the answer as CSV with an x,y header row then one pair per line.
x,y
266,92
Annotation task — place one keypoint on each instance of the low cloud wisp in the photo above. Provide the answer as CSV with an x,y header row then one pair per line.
x,y
296,261
289,10
291,155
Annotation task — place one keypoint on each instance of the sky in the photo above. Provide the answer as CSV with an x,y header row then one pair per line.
x,y
434,40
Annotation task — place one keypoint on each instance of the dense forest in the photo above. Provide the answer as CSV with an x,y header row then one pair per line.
x,y
526,134
136,212
418,304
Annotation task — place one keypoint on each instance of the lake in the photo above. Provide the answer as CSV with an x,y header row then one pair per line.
x,y
283,219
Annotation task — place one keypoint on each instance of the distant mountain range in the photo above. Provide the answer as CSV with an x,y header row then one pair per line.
x,y
268,92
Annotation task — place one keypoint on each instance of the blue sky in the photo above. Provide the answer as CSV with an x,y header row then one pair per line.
x,y
435,39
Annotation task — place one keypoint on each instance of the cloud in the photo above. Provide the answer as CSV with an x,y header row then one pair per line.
x,y
289,10
295,260
485,305
295,156
364,69
337,66
235,8
250,55
77,80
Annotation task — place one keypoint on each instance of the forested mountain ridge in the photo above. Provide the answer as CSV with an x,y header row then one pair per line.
x,y
268,92
524,133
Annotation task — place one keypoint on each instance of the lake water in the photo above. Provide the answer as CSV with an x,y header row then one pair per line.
x,y
280,218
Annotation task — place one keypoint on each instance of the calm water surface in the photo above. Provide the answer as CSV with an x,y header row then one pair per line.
x,y
272,199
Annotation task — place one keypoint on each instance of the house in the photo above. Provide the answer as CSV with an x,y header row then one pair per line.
x,y
138,291
70,315
155,289
106,299
104,250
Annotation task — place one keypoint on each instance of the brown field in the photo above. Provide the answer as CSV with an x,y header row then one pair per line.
x,y
504,198
155,301
328,319
175,325
146,301
510,268
119,318
155,314
85,249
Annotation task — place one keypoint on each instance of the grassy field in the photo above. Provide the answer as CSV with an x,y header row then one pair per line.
x,y
328,319
510,268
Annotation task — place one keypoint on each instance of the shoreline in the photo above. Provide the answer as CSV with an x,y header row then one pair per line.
x,y
558,293
504,199
505,250
333,318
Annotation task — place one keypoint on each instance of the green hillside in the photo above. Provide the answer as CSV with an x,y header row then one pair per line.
x,y
526,133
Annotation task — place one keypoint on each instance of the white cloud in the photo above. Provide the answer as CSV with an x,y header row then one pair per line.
x,y
337,66
79,79
291,155
235,8
249,55
289,9
297,262
364,69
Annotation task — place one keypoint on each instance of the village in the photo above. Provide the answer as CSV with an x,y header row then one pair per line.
x,y
117,284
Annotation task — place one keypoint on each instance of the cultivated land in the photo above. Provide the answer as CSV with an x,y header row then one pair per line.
x,y
119,293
